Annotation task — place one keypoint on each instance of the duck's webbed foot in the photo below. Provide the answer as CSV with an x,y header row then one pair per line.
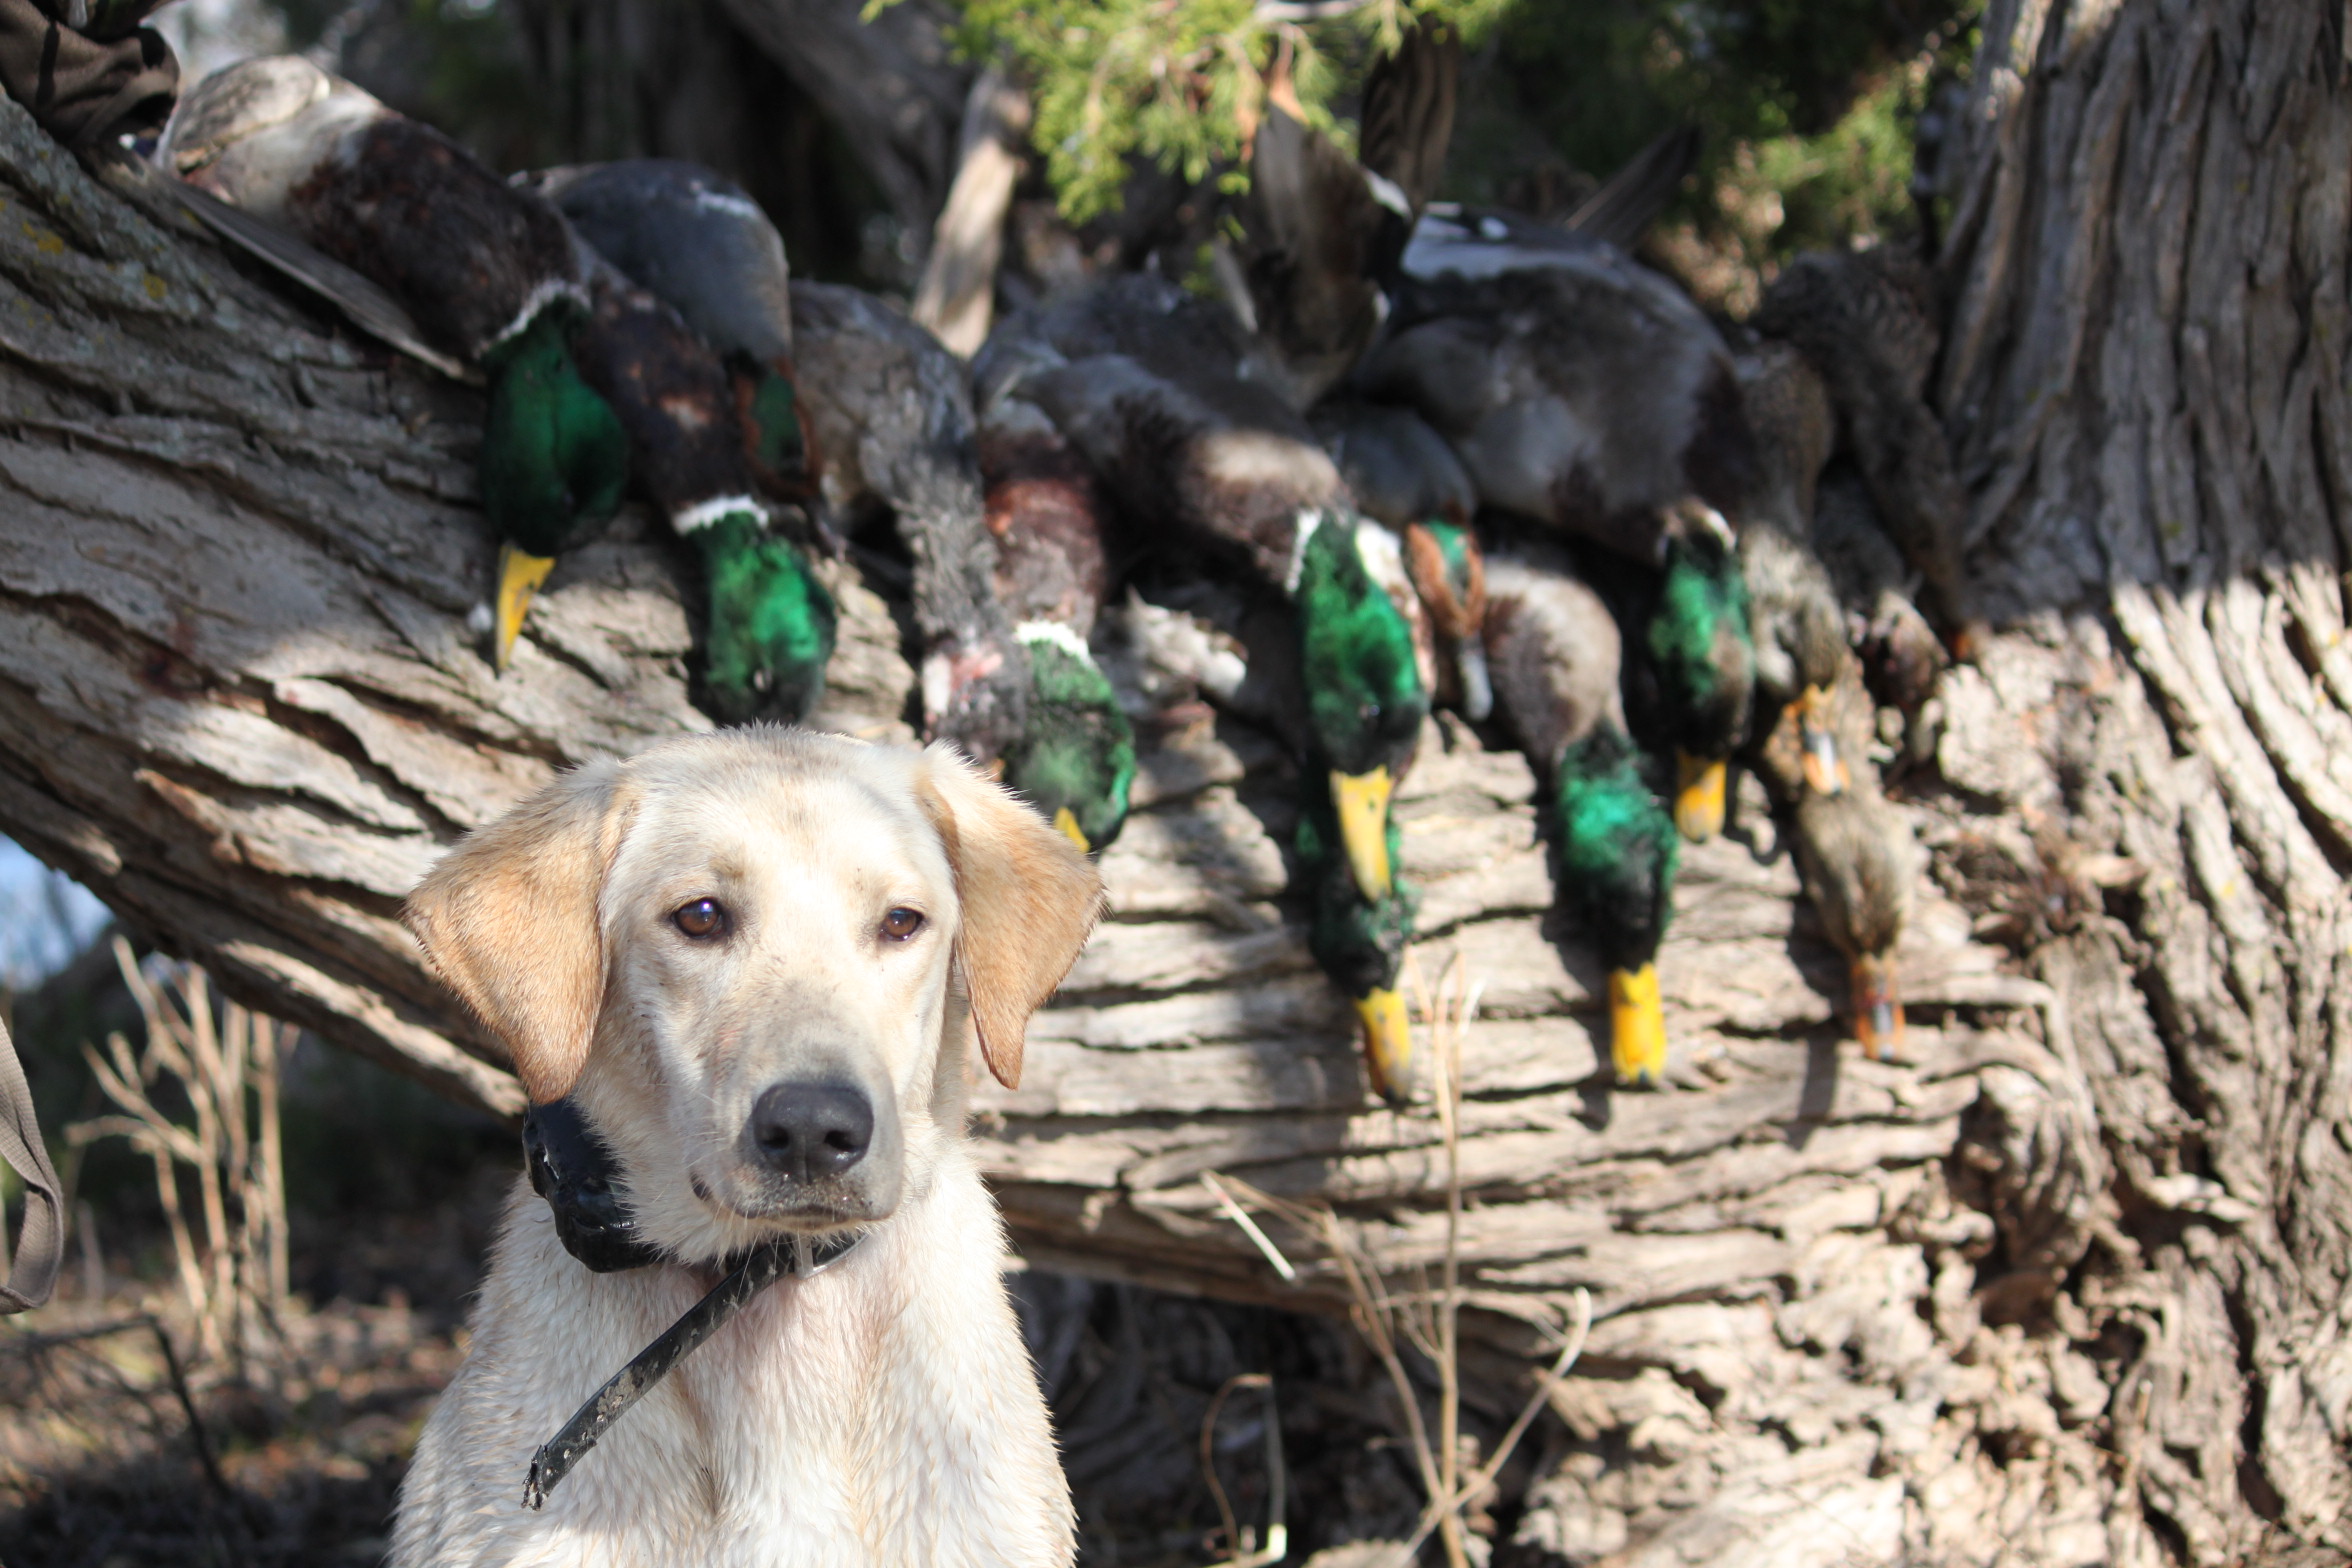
x,y
1877,1003
1637,1027
1699,796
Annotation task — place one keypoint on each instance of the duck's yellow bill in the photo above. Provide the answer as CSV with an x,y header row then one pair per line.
x,y
1388,1044
1825,770
1065,820
1637,1026
1878,1006
1361,799
1698,797
519,577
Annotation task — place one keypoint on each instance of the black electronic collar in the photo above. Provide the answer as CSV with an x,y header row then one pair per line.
x,y
572,1169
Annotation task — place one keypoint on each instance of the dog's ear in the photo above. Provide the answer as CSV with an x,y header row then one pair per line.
x,y
1029,898
508,919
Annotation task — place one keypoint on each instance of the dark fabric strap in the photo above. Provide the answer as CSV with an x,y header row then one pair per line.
x,y
800,1256
86,87
42,1242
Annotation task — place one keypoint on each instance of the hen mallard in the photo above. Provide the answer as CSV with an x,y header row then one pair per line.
x,y
1587,393
1076,759
1554,651
1855,850
1866,321
1151,387
487,271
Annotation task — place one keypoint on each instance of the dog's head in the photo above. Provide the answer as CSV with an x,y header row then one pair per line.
x,y
753,962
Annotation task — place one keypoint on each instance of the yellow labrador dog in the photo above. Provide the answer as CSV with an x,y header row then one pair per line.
x,y
758,964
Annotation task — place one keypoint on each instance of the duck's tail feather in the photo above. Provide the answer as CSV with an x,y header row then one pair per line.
x,y
1623,209
1408,115
369,307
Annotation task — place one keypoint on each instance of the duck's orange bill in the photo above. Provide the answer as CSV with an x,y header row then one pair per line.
x,y
519,577
1361,799
1878,1006
1065,820
1637,1026
1388,1043
1825,770
1698,797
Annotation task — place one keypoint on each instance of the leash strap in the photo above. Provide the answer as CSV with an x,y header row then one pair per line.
x,y
760,1268
41,1244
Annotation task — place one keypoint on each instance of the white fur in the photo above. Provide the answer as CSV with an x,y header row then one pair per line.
x,y
883,1414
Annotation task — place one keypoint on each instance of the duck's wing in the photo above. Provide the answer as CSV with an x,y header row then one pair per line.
x,y
1553,652
472,258
893,413
366,306
693,237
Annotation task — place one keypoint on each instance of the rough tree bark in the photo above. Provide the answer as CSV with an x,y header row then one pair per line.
x,y
2064,1288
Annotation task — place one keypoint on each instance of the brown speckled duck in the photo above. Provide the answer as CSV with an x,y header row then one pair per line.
x,y
1855,850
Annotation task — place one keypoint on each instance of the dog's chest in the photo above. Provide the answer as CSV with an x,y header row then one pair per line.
x,y
822,1426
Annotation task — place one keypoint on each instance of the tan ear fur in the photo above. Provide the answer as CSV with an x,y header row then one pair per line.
x,y
1029,898
508,919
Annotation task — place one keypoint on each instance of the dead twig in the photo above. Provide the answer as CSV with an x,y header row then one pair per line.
x,y
1240,1540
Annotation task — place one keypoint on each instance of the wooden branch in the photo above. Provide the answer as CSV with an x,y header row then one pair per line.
x,y
957,295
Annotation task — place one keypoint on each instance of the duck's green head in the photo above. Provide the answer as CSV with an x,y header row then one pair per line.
x,y
770,631
1365,697
1075,759
1698,643
1449,573
773,437
1617,857
1359,942
554,459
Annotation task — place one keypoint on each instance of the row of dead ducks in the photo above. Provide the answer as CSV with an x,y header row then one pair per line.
x,y
1506,469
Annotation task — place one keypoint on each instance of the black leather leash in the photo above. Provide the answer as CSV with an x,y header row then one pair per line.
x,y
570,1168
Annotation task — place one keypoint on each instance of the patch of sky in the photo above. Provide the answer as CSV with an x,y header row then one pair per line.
x,y
47,919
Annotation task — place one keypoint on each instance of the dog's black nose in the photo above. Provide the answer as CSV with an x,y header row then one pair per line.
x,y
808,1131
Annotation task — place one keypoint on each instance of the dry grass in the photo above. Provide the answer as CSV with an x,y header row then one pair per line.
x,y
224,1066
1427,1316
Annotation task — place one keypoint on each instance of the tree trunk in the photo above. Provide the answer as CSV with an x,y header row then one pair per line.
x,y
2064,1288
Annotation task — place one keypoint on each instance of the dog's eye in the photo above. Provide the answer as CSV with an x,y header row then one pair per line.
x,y
902,923
701,919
